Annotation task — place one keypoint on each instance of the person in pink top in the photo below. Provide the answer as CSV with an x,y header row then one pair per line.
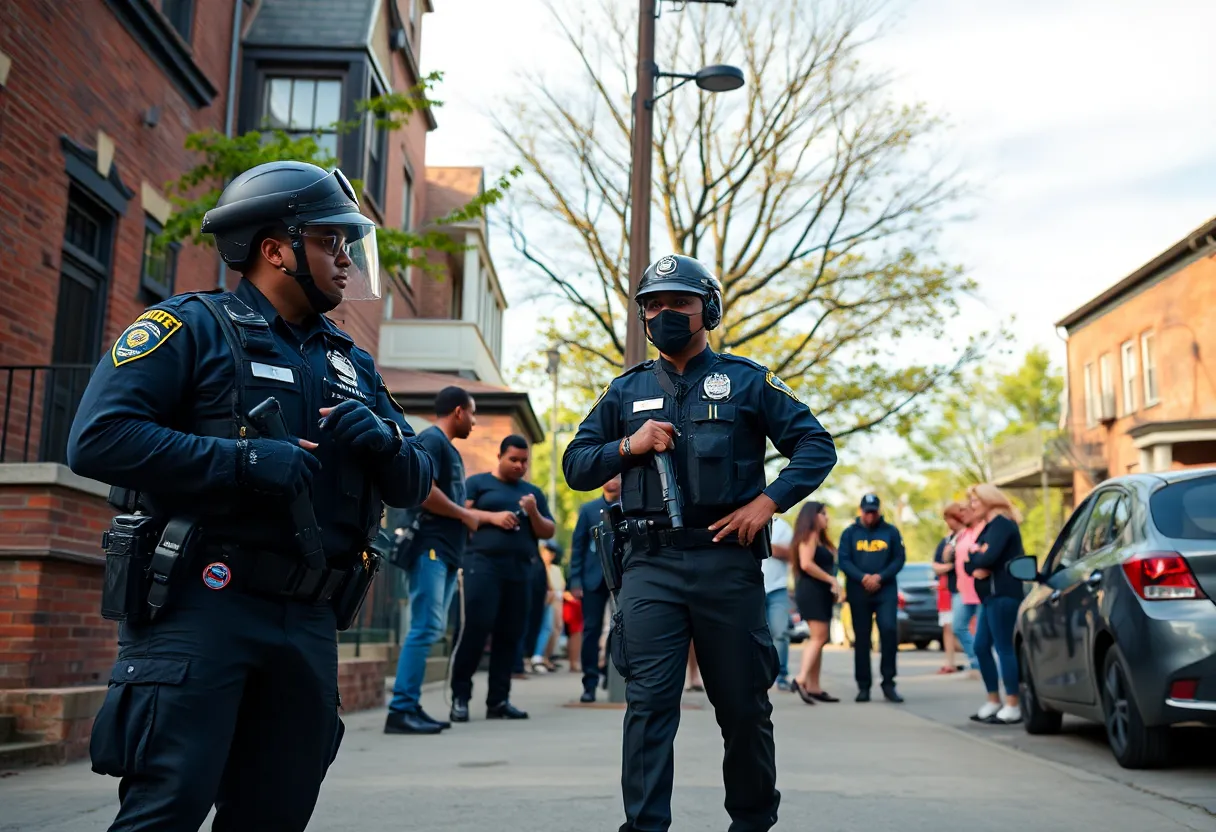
x,y
966,601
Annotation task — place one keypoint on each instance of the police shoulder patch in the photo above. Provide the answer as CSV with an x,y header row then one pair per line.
x,y
778,384
149,331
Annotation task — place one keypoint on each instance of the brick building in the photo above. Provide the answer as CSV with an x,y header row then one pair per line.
x,y
1141,394
97,98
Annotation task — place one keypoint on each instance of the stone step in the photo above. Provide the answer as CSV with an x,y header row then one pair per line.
x,y
29,753
8,728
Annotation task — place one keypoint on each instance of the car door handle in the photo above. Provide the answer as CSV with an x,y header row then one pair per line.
x,y
1094,580
1054,598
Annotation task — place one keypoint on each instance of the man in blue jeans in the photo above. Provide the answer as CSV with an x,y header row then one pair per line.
x,y
438,545
776,572
871,553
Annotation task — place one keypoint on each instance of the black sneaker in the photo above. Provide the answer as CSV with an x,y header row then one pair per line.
x,y
587,697
505,710
430,718
410,722
863,695
460,711
891,695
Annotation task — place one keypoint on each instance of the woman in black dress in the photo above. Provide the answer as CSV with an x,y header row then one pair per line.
x,y
816,593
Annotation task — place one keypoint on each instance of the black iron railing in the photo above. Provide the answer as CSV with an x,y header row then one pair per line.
x,y
380,619
36,412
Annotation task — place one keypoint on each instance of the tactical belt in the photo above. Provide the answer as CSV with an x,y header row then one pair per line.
x,y
691,538
279,575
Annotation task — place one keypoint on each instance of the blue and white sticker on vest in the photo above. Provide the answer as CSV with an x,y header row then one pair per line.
x,y
217,575
149,331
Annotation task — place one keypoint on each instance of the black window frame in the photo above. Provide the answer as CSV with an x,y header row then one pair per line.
x,y
152,291
180,14
295,75
162,43
375,182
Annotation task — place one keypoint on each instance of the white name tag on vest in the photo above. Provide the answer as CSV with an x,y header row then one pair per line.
x,y
272,372
647,404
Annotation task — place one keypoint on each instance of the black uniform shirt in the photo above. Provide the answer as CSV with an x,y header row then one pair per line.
x,y
157,417
446,536
513,549
724,407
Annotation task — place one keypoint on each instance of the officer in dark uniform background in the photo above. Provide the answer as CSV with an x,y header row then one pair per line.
x,y
702,582
587,583
229,695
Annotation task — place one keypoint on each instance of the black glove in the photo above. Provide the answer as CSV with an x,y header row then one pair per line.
x,y
271,466
355,426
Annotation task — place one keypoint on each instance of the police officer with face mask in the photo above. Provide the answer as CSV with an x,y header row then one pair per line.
x,y
225,691
697,579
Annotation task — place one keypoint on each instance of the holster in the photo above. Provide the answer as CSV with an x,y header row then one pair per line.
x,y
610,546
348,599
128,545
172,553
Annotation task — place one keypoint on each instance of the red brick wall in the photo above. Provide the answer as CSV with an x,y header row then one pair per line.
x,y
361,683
1178,310
76,70
51,631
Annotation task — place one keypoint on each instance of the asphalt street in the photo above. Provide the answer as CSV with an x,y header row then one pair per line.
x,y
920,766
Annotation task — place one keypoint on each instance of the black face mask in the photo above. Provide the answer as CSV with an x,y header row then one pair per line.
x,y
670,331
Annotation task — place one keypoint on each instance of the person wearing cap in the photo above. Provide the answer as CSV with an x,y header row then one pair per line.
x,y
229,696
870,554
697,580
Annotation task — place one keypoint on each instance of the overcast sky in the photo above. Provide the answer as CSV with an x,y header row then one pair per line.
x,y
1088,132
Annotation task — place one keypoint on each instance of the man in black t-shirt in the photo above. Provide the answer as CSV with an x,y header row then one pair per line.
x,y
495,572
437,548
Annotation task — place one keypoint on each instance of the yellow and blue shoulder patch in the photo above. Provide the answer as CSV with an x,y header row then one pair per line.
x,y
149,331
778,384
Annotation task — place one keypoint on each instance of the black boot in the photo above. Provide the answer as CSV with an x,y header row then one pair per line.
x,y
863,695
889,692
505,710
430,718
588,696
460,710
410,722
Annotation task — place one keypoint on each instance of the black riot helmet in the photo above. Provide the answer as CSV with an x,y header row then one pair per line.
x,y
678,273
291,198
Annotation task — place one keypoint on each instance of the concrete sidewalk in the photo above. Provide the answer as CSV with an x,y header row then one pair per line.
x,y
841,767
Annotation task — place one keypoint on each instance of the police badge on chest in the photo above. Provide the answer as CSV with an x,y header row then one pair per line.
x,y
342,382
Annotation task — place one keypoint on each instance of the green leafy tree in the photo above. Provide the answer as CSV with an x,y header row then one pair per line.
x,y
223,158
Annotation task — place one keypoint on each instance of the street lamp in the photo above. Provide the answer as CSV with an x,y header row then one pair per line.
x,y
554,356
715,78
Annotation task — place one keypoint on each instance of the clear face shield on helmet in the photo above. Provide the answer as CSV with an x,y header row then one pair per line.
x,y
350,238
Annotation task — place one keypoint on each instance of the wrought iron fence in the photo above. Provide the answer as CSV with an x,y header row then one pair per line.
x,y
381,619
37,410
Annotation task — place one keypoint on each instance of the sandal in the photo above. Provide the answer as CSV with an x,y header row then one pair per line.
x,y
945,670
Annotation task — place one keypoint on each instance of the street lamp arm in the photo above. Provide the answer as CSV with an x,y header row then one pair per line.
x,y
673,87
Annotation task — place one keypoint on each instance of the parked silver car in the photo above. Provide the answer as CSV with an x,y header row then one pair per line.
x,y
1120,625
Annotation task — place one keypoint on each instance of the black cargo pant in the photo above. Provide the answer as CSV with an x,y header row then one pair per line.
x,y
495,604
715,597
865,608
228,699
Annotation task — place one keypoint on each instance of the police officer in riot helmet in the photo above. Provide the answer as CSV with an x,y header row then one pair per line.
x,y
260,539
691,567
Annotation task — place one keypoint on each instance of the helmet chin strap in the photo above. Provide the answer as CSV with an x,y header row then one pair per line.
x,y
316,298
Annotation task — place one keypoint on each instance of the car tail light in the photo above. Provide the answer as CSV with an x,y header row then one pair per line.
x,y
1162,576
903,601
1184,689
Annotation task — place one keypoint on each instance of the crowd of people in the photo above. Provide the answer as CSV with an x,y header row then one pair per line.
x,y
495,532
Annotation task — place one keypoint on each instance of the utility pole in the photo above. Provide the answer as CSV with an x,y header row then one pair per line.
x,y
639,186
554,363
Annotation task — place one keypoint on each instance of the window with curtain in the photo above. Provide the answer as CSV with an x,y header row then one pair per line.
x,y
1128,353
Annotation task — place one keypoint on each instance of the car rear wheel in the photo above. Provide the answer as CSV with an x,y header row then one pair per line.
x,y
1036,717
1134,744
923,644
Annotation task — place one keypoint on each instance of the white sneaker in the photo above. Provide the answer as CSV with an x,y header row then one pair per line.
x,y
986,712
1010,714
